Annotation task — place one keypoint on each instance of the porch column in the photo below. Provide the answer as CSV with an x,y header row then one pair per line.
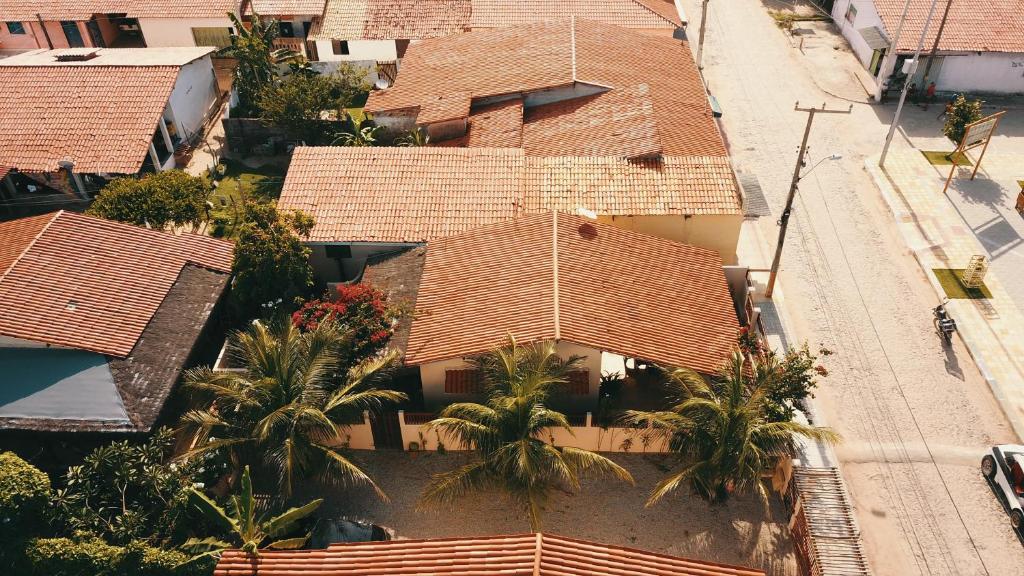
x,y
166,134
155,158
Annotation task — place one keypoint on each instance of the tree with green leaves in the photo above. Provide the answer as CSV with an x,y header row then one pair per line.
x,y
363,133
247,531
296,103
959,114
413,138
722,431
287,411
270,262
258,61
171,197
506,433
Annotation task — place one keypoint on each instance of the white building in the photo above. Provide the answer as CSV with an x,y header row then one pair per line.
x,y
981,48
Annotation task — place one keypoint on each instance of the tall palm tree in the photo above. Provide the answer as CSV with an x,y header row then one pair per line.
x,y
505,433
722,431
290,404
258,61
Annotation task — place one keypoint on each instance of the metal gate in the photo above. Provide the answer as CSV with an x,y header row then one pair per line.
x,y
387,432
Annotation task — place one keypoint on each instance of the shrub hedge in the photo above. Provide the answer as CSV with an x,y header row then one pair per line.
x,y
94,557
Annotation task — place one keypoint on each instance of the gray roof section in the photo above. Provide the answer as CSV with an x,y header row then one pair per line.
x,y
397,274
875,38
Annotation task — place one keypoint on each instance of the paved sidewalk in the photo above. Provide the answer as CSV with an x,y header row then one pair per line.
x,y
936,234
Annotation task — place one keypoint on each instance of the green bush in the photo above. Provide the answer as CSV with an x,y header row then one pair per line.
x,y
171,197
94,557
24,494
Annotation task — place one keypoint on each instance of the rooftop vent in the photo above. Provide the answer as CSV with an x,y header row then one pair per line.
x,y
77,56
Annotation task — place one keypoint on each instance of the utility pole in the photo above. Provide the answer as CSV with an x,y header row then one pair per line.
x,y
700,40
906,86
784,219
935,45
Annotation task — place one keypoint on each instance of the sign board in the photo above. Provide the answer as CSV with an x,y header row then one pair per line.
x,y
978,133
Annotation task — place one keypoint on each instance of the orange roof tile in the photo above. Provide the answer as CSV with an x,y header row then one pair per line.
x,y
401,195
595,57
411,195
626,13
561,277
100,117
498,125
445,107
980,26
26,10
517,555
287,7
92,284
391,19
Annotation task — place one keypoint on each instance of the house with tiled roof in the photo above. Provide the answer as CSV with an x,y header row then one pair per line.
x,y
598,291
99,318
71,119
980,50
48,24
295,22
372,31
508,555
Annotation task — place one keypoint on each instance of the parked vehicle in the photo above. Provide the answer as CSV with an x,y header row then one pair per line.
x,y
1003,467
330,531
944,325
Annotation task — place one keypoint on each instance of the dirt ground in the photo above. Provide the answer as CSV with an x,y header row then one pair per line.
x,y
605,510
915,416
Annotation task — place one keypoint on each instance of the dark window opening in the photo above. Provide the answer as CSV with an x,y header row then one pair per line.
x,y
338,252
340,47
15,28
73,34
287,31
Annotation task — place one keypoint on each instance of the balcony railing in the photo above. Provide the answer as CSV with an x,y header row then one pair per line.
x,y
293,44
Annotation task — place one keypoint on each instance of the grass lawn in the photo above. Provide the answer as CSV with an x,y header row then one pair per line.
x,y
949,278
241,183
939,158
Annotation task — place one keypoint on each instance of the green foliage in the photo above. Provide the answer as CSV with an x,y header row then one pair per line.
x,y
722,432
360,310
414,138
158,199
24,495
270,262
125,492
247,531
960,113
295,104
362,133
90,556
288,407
789,380
506,433
258,61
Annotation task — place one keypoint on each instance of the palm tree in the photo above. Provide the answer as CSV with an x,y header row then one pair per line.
x,y
722,431
248,532
289,405
362,134
505,433
252,47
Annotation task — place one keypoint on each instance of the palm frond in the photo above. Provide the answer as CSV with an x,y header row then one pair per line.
x,y
447,487
285,522
587,461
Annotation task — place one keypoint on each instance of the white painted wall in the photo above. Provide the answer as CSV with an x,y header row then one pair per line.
x,y
326,269
160,32
867,16
194,95
982,72
377,50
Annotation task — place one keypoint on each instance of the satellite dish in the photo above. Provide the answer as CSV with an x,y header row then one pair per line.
x,y
581,211
380,84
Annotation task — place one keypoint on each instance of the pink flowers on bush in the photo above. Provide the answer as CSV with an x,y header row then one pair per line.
x,y
360,309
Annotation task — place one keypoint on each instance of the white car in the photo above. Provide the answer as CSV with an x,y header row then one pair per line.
x,y
1003,467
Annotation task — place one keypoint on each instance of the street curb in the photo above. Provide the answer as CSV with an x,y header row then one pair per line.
x,y
897,211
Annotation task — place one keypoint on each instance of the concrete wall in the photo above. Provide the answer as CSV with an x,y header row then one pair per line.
x,y
982,72
357,436
435,398
193,97
376,50
718,232
160,32
867,16
32,38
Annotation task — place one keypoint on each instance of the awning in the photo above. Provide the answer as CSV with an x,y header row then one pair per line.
x,y
875,38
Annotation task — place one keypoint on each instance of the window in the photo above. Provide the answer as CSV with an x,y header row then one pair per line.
x,y
217,37
340,47
286,29
579,382
851,13
15,28
73,34
466,381
336,252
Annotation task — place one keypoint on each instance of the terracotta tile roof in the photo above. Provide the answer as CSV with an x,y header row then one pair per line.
x,y
597,57
287,7
26,10
979,26
613,186
401,194
92,284
101,117
391,19
445,107
411,195
518,555
562,277
498,125
625,13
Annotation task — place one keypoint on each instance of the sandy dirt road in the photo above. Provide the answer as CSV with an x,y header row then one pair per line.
x,y
916,417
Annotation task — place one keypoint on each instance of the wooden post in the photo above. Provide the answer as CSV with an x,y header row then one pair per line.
x,y
999,116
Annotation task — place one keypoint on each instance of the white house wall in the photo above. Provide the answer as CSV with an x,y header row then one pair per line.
x,y
194,94
982,72
867,17
163,32
376,50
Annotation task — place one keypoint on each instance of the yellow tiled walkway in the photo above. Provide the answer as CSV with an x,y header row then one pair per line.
x,y
992,329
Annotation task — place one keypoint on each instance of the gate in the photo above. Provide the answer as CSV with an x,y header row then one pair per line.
x,y
387,433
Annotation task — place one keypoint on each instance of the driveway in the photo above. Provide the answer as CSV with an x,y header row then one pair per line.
x,y
902,402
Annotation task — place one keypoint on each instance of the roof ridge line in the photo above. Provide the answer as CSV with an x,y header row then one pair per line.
x,y
31,244
554,264
572,41
649,9
537,554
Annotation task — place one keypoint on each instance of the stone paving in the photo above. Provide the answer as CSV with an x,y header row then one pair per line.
x,y
992,329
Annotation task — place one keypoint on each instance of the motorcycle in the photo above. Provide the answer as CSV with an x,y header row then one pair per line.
x,y
944,325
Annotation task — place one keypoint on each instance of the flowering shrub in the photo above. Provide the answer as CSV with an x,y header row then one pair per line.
x,y
360,309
